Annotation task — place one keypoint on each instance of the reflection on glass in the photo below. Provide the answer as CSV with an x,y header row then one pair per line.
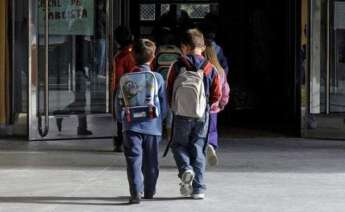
x,y
20,51
318,56
77,60
337,75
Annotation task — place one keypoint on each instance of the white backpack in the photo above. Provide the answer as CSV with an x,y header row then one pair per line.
x,y
189,98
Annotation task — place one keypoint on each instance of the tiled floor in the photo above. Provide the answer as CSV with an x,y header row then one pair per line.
x,y
259,174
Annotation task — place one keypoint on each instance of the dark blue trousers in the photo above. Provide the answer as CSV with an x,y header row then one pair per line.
x,y
142,152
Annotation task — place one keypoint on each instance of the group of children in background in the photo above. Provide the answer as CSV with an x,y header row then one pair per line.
x,y
191,137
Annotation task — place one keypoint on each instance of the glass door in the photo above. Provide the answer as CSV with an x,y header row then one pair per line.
x,y
327,70
69,69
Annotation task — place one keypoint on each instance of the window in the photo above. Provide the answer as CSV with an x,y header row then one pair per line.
x,y
147,12
196,10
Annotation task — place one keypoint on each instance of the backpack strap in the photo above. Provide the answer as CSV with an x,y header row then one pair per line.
x,y
204,64
206,67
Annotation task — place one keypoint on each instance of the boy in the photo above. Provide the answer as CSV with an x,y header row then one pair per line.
x,y
142,137
189,134
123,63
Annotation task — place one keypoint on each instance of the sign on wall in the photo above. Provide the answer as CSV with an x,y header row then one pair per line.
x,y
67,17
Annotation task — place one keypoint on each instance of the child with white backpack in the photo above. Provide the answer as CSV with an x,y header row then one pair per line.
x,y
193,85
141,106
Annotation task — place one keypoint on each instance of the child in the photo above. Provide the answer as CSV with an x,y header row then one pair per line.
x,y
190,133
211,55
142,137
123,63
210,31
167,53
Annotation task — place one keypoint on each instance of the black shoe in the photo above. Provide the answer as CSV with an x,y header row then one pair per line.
x,y
118,149
148,196
59,123
136,199
84,132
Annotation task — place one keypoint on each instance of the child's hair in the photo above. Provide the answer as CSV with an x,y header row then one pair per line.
x,y
143,51
123,36
211,55
193,38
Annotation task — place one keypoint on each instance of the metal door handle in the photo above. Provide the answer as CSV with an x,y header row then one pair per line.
x,y
44,132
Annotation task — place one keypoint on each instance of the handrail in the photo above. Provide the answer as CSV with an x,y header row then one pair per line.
x,y
44,132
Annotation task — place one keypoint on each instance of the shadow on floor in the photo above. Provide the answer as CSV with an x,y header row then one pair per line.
x,y
57,200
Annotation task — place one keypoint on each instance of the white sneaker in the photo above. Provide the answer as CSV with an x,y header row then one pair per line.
x,y
186,188
198,196
212,158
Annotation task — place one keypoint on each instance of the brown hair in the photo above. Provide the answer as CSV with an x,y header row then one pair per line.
x,y
211,55
193,38
143,51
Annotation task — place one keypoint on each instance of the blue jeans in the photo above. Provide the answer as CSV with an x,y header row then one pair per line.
x,y
141,153
188,147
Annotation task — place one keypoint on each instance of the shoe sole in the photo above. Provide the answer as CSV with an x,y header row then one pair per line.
x,y
186,187
198,197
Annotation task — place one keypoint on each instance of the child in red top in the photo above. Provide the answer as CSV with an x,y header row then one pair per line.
x,y
123,62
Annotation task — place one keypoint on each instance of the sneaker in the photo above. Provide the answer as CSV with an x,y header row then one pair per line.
x,y
186,187
212,158
136,199
198,196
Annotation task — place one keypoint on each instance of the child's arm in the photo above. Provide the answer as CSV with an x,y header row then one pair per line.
x,y
225,95
216,88
162,97
118,106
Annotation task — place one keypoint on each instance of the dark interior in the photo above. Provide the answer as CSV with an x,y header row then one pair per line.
x,y
259,39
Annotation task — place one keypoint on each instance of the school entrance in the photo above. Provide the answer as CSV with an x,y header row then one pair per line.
x,y
61,81
285,63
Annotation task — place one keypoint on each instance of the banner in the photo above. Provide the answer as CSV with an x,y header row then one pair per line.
x,y
67,17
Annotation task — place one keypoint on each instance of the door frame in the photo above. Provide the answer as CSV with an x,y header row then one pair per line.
x,y
322,124
32,118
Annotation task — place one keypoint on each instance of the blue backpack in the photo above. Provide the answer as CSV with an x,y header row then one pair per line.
x,y
137,93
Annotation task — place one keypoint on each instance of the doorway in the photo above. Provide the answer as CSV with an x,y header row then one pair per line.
x,y
69,69
261,41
